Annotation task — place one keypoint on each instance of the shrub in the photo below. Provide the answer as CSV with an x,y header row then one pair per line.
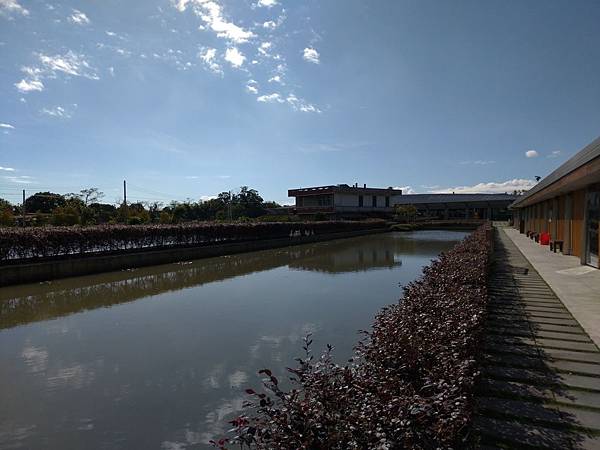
x,y
410,384
61,241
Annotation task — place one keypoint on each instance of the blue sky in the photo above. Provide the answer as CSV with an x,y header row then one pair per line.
x,y
188,98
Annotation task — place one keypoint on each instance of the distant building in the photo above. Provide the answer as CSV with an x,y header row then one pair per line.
x,y
348,201
342,199
566,204
460,206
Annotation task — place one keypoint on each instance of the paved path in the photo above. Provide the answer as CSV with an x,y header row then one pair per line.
x,y
577,286
540,385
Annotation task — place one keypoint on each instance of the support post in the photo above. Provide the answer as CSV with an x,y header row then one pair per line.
x,y
23,211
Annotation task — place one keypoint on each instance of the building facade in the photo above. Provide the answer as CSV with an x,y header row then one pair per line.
x,y
566,204
460,206
342,199
347,201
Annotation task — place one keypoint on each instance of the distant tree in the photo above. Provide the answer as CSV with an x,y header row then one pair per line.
x,y
100,213
88,196
5,204
65,215
406,213
44,202
7,218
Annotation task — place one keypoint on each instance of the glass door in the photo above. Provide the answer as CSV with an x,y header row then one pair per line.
x,y
593,218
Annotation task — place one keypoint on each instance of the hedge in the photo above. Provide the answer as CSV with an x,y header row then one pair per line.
x,y
26,243
411,384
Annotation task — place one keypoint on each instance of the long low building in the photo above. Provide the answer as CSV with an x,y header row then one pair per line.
x,y
343,200
566,204
460,206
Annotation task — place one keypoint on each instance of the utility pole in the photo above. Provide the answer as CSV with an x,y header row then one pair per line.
x,y
23,210
230,201
125,200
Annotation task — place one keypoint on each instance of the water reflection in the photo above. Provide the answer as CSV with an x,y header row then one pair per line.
x,y
43,301
159,357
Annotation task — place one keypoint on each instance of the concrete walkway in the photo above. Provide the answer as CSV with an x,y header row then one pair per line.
x,y
540,384
577,286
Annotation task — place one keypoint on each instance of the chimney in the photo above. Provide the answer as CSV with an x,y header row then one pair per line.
x,y
365,186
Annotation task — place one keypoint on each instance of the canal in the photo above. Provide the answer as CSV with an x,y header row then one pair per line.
x,y
158,358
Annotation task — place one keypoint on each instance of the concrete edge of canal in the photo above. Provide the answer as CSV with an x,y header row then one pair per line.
x,y
32,272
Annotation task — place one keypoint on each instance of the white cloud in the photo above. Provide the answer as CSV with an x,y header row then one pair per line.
x,y
7,169
269,25
7,126
111,70
311,55
59,112
509,186
555,154
266,3
23,179
531,154
234,57
270,98
71,64
211,14
264,48
252,86
406,189
208,56
276,79
29,85
300,105
78,18
7,7
478,162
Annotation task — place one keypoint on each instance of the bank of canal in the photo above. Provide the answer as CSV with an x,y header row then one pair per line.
x,y
159,357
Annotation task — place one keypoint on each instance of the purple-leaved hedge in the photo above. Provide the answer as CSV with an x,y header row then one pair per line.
x,y
411,384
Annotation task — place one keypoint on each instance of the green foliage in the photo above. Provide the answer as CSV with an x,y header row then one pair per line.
x,y
6,217
406,213
5,204
65,216
44,202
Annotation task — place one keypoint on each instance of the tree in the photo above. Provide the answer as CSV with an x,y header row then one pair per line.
x,y
5,204
406,213
88,196
65,215
44,202
6,217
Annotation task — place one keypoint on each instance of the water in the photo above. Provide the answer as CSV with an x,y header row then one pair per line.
x,y
158,358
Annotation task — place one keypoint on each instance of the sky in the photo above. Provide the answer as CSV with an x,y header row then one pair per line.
x,y
189,98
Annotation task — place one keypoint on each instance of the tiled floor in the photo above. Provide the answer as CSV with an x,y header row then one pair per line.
x,y
577,286
540,385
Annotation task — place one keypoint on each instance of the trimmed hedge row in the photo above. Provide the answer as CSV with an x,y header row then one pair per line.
x,y
411,384
18,243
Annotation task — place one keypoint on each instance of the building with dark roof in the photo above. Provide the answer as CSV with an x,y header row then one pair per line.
x,y
343,200
460,206
566,204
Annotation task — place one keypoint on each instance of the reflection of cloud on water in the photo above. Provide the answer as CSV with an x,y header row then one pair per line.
x,y
213,378
216,425
36,358
237,379
11,434
268,345
75,377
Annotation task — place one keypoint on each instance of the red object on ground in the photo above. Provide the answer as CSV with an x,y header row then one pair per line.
x,y
545,239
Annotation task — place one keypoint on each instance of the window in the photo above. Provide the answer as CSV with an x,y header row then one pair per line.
x,y
387,202
374,201
360,201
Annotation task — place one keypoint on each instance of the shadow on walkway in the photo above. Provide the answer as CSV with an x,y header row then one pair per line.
x,y
540,383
